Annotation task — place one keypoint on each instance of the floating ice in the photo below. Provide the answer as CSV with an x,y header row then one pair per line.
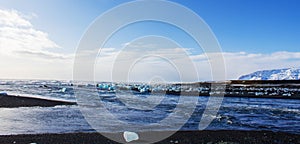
x,y
105,86
229,122
63,89
130,136
144,88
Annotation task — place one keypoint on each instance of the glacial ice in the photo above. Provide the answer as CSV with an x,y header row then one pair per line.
x,y
130,136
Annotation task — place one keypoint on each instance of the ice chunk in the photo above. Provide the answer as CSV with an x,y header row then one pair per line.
x,y
107,87
130,136
63,89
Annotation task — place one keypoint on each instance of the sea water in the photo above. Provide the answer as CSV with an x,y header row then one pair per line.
x,y
234,114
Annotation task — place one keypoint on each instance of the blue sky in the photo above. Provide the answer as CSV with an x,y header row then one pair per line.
x,y
261,28
250,26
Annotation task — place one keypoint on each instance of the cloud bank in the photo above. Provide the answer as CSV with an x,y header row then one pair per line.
x,y
236,64
25,52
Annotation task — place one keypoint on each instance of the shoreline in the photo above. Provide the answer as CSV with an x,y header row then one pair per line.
x,y
10,101
206,136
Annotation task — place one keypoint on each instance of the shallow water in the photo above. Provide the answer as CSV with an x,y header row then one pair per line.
x,y
234,113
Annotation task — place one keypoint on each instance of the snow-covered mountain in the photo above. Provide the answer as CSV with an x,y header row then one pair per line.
x,y
277,74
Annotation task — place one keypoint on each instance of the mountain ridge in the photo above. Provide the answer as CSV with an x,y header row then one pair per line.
x,y
275,74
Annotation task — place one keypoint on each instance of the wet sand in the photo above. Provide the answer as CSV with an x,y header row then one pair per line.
x,y
10,101
182,137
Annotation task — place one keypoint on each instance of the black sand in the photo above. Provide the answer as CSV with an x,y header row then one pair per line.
x,y
182,137
17,101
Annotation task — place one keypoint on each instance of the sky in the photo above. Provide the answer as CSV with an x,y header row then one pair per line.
x,y
39,39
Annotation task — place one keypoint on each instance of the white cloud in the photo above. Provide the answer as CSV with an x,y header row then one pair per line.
x,y
17,34
12,18
240,63
25,52
236,64
142,64
43,55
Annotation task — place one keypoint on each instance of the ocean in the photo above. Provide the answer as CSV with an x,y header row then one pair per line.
x,y
235,113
